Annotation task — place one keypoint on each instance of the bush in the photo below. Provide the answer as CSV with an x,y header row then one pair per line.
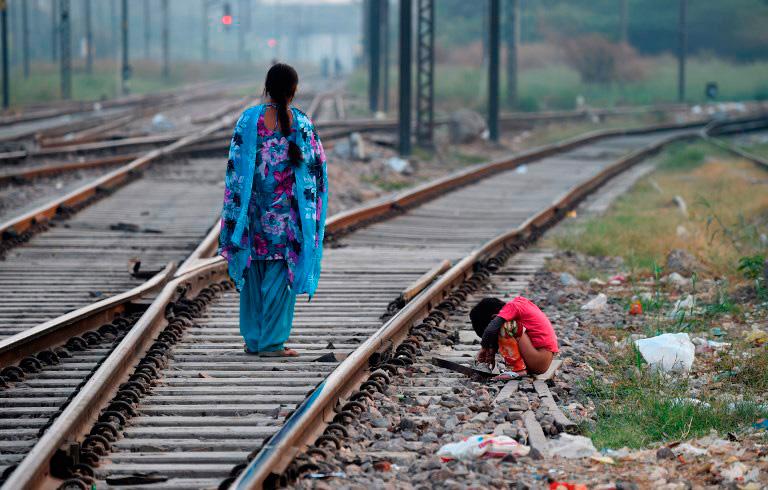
x,y
598,60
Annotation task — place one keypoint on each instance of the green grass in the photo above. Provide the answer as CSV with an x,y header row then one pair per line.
x,y
556,87
639,408
43,84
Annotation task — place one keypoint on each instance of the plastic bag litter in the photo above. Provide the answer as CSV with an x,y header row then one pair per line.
x,y
572,447
596,304
482,446
756,336
668,352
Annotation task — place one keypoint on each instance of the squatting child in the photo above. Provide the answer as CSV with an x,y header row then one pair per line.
x,y
517,330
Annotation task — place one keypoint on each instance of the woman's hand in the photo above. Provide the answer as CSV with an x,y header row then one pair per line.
x,y
487,356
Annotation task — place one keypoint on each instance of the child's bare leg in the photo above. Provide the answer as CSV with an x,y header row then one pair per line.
x,y
536,360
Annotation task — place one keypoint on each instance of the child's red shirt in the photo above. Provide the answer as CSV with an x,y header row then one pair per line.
x,y
533,320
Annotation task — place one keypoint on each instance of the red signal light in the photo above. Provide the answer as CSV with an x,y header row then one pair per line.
x,y
226,20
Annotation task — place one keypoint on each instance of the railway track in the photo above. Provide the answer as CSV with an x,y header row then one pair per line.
x,y
120,147
182,414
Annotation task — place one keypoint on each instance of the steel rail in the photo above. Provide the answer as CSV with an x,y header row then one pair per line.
x,y
75,420
58,330
44,213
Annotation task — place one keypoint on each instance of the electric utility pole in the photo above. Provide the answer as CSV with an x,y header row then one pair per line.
x,y
166,42
147,18
494,25
65,51
406,25
624,22
682,49
88,37
4,34
25,37
125,72
54,30
205,30
513,41
374,59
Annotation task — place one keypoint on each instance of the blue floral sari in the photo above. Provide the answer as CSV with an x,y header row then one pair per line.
x,y
272,209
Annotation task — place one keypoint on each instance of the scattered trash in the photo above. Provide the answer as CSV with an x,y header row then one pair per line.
x,y
596,304
679,260
95,294
161,123
567,279
572,447
351,148
357,146
506,376
59,184
466,125
680,202
382,466
521,169
761,424
571,214
668,352
617,279
665,453
756,336
689,401
204,375
561,485
685,306
734,472
323,476
483,446
717,331
636,308
399,165
596,282
603,459
676,279
682,231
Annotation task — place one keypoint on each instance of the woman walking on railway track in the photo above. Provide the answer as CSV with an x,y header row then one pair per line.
x,y
273,218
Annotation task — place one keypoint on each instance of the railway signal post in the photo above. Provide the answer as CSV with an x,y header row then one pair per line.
x,y
4,28
494,24
374,55
425,72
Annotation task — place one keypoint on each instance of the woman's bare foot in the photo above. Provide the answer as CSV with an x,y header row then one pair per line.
x,y
279,353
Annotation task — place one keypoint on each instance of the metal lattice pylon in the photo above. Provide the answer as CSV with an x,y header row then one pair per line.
x,y
425,72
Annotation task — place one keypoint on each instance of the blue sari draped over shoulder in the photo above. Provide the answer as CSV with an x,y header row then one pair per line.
x,y
310,190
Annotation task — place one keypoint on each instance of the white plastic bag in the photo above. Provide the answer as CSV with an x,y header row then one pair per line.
x,y
572,447
668,352
596,304
482,446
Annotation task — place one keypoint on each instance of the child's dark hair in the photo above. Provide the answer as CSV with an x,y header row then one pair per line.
x,y
483,312
281,83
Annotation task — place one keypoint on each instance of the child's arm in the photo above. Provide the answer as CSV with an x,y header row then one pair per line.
x,y
490,342
490,338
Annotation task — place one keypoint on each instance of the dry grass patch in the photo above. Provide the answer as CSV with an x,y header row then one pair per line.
x,y
727,205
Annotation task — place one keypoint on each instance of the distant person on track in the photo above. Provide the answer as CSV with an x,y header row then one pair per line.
x,y
273,218
517,330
